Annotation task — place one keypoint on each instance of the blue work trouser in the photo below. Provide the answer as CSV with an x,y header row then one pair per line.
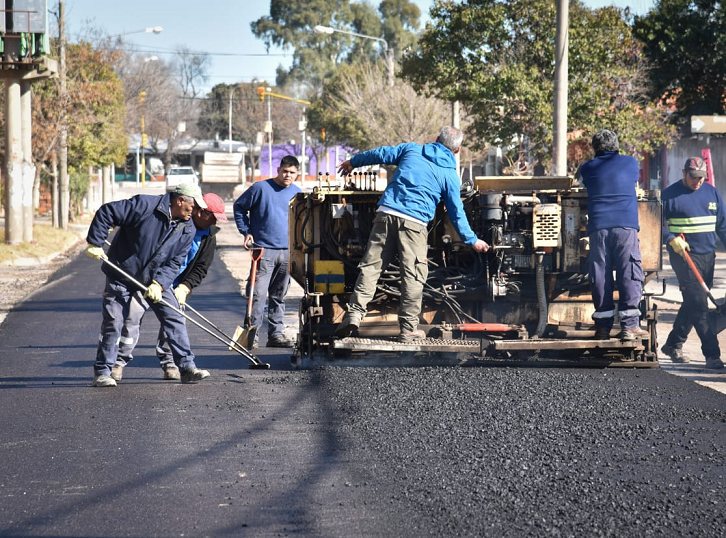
x,y
616,249
272,284
393,235
122,315
694,309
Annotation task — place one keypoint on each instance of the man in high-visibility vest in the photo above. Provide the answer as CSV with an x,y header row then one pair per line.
x,y
693,217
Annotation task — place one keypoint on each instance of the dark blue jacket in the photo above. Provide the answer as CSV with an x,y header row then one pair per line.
x,y
140,246
610,180
699,215
425,175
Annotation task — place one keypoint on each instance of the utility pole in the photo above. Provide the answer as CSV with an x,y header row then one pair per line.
x,y
65,199
559,157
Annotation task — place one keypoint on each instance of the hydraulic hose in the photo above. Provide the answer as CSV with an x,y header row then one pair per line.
x,y
541,296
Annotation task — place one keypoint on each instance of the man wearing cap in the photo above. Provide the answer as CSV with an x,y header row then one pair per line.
x,y
153,236
612,226
693,217
193,270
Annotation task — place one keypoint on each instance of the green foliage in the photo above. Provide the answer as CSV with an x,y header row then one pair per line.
x,y
685,42
291,23
497,58
78,184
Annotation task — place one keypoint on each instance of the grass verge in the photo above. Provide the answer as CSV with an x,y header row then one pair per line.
x,y
46,241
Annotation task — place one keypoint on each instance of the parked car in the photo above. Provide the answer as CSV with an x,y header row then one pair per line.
x,y
179,175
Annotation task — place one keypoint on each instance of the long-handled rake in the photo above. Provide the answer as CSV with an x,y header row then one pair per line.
x,y
257,364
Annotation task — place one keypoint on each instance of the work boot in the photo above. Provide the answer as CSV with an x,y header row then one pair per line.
x,y
348,326
192,375
280,341
675,354
103,380
714,363
411,336
171,373
601,333
117,372
629,335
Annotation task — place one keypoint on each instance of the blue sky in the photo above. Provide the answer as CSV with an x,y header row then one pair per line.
x,y
220,28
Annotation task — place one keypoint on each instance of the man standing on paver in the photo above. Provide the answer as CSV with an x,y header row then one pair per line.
x,y
426,174
261,214
693,216
612,226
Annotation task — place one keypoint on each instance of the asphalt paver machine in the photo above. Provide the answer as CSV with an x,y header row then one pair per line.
x,y
526,300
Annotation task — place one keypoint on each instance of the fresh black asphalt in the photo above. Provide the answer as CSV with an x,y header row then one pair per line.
x,y
337,451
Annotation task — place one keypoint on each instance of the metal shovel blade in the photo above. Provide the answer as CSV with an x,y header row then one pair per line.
x,y
244,336
717,318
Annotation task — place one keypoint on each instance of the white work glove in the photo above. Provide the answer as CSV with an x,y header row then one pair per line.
x,y
181,292
97,253
153,292
679,245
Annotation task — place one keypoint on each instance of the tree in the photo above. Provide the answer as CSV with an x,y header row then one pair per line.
x,y
497,58
358,109
249,114
685,43
291,24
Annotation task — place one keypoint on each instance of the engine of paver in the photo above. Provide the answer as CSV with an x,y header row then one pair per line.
x,y
528,298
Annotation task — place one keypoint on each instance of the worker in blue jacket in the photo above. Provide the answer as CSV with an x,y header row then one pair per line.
x,y
153,236
426,174
193,270
693,217
612,227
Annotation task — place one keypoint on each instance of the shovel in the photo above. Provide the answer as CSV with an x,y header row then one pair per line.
x,y
716,318
689,261
245,336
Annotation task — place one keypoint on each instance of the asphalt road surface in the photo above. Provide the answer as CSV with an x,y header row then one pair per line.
x,y
337,451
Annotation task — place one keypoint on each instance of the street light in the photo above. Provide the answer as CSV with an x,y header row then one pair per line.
x,y
320,29
149,30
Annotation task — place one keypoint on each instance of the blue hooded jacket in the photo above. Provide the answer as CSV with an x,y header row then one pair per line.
x,y
140,246
425,175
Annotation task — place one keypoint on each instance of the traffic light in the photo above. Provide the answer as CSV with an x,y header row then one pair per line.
x,y
144,140
261,91
322,135
142,97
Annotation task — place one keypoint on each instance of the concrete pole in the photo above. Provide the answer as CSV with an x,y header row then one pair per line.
x,y
65,198
456,122
559,153
389,67
28,169
106,195
13,165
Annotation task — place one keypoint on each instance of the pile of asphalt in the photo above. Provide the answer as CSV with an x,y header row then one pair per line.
x,y
536,452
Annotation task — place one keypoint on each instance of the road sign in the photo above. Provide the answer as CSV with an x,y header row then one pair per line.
x,y
708,124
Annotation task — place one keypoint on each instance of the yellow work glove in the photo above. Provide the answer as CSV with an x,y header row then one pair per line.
x,y
679,245
181,292
97,253
153,292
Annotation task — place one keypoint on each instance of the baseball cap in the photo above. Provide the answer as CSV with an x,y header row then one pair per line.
x,y
695,166
216,205
193,191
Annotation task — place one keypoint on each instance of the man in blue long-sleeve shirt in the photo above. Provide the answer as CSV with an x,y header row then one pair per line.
x,y
695,210
261,214
425,175
612,210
